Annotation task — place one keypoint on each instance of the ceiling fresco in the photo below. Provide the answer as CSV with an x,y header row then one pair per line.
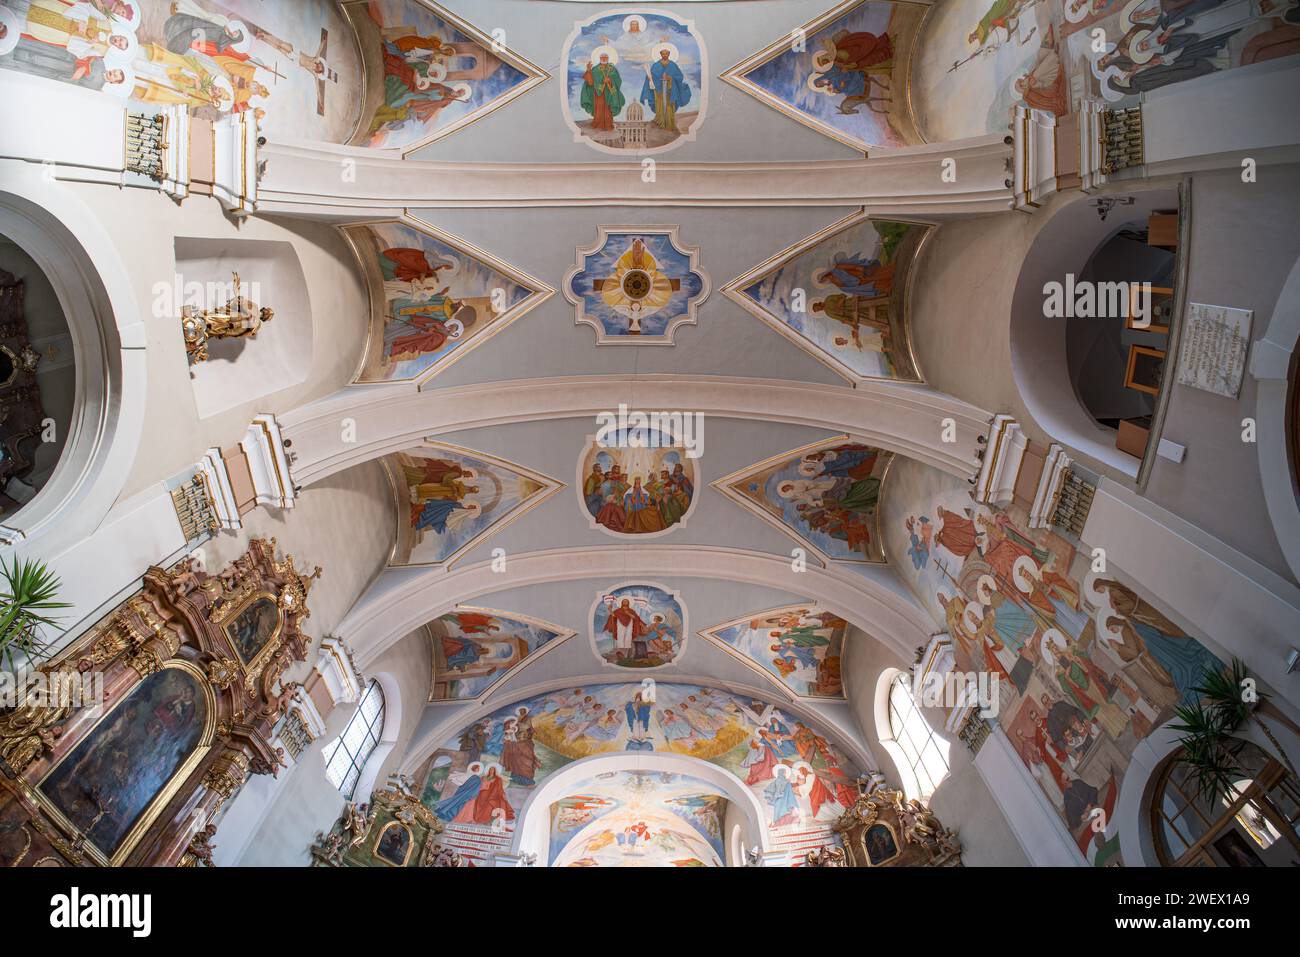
x,y
840,295
1087,668
641,626
479,778
636,81
825,496
799,646
450,498
843,74
438,295
476,649
294,67
637,482
636,285
639,819
433,73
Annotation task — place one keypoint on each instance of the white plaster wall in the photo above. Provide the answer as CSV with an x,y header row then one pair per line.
x,y
145,225
343,524
1243,243
962,801
289,813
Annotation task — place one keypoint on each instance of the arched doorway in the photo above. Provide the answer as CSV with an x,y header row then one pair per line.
x,y
1085,373
641,809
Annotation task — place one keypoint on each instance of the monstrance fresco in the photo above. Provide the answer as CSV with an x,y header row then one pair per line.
x,y
636,284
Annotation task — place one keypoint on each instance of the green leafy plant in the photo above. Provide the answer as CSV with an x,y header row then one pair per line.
x,y
1211,752
29,592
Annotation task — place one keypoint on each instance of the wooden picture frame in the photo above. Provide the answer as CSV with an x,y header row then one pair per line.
x,y
1138,374
1163,292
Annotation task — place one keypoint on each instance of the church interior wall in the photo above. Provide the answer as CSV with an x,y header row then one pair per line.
x,y
145,226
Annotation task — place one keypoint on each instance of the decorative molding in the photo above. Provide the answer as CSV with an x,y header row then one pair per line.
x,y
996,482
341,680
234,155
1092,157
1034,160
264,447
1048,492
303,180
399,601
221,493
686,318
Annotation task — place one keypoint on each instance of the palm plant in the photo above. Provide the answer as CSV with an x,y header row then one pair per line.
x,y
1211,750
28,592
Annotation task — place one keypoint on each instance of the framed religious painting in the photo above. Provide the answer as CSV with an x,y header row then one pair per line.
x,y
119,777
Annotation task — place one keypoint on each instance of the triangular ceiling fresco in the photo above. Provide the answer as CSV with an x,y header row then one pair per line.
x,y
450,499
430,73
843,74
840,295
801,647
476,649
435,297
826,496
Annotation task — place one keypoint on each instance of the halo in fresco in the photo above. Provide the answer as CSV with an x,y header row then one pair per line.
x,y
1088,667
294,67
438,297
475,649
826,496
449,499
844,74
636,284
643,486
479,778
800,646
636,81
434,73
639,819
841,296
638,625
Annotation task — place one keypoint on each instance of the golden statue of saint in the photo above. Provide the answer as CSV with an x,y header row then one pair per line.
x,y
239,318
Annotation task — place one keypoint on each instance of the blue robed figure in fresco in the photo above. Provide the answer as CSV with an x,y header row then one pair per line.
x,y
665,91
448,808
434,514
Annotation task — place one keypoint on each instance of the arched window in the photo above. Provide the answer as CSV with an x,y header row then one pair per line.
x,y
343,765
924,754
1253,826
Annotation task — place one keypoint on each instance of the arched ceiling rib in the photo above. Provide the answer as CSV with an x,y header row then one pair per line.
x,y
401,600
361,423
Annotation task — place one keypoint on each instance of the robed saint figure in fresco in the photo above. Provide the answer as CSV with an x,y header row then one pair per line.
x,y
665,91
602,93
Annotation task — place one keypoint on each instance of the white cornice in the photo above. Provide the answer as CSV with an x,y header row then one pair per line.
x,y
303,179
403,599
900,417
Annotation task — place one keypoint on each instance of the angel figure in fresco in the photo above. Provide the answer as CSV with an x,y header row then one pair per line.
x,y
850,64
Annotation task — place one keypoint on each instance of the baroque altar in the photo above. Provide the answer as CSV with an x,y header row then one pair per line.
x,y
191,669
